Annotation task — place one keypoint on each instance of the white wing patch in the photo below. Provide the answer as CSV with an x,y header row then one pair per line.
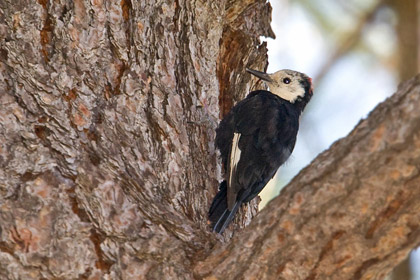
x,y
235,155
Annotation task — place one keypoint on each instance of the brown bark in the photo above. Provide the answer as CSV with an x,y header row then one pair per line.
x,y
108,112
407,30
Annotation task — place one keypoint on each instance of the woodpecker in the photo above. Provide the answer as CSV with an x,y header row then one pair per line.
x,y
255,138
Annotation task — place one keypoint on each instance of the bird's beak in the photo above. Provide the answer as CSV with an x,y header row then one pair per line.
x,y
263,76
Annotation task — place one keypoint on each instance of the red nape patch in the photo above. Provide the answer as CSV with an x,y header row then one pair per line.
x,y
310,82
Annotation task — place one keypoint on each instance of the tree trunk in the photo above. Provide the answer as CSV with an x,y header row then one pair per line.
x,y
108,112
108,116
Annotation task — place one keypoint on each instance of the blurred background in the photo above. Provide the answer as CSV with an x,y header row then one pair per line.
x,y
357,52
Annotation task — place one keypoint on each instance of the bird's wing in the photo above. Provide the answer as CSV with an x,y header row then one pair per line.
x,y
226,128
264,136
224,134
235,156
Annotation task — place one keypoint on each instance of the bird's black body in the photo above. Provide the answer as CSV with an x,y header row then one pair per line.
x,y
265,128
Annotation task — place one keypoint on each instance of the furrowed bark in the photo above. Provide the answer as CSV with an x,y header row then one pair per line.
x,y
353,213
107,121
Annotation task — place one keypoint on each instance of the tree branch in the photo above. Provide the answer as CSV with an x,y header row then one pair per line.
x,y
353,213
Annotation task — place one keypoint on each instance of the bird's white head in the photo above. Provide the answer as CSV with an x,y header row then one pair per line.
x,y
290,85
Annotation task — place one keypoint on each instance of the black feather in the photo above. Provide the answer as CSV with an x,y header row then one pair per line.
x,y
268,126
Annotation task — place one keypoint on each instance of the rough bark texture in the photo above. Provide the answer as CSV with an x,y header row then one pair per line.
x,y
107,120
353,213
108,112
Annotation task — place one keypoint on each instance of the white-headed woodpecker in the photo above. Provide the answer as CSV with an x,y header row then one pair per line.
x,y
255,138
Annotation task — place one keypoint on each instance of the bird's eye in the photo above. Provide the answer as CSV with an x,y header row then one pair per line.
x,y
286,80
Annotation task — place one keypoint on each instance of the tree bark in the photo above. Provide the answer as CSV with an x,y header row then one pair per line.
x,y
407,31
108,112
108,116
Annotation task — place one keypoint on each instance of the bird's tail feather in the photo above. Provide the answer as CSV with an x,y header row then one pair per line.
x,y
219,214
227,217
